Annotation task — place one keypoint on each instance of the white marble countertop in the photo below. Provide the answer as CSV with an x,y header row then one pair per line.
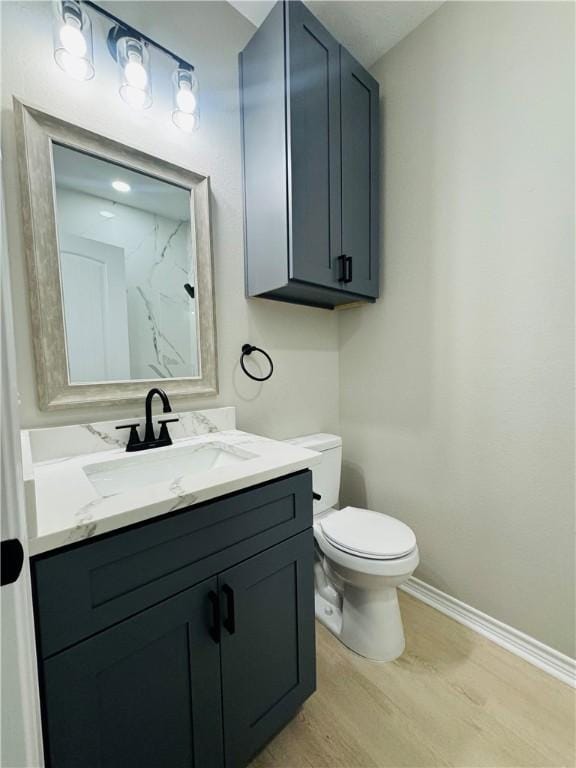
x,y
64,506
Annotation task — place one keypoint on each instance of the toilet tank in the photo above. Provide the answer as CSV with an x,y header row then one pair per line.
x,y
326,475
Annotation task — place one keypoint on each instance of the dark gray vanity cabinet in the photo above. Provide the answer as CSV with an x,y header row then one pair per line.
x,y
189,639
310,160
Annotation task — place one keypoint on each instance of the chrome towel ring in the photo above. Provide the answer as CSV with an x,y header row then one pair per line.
x,y
247,349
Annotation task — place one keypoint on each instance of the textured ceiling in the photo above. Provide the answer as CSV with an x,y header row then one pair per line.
x,y
367,29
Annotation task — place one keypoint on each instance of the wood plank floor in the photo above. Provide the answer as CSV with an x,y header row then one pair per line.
x,y
454,698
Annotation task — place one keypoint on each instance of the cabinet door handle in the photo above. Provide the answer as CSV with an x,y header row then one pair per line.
x,y
230,620
342,266
348,278
215,605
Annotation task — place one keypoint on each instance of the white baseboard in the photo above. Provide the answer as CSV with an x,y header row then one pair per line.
x,y
542,656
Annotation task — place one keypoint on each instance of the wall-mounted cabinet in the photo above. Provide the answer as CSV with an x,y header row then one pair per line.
x,y
310,147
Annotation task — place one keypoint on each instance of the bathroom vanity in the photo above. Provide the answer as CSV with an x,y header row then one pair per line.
x,y
175,620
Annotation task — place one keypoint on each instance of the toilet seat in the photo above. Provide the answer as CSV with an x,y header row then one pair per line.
x,y
368,534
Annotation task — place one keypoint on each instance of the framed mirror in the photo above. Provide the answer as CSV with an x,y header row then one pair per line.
x,y
120,267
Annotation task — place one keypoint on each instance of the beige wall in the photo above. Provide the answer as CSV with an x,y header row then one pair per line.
x,y
456,388
303,393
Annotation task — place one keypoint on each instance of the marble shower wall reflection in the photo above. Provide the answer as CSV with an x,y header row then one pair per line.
x,y
125,258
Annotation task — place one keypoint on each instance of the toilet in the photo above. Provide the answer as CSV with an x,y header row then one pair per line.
x,y
362,557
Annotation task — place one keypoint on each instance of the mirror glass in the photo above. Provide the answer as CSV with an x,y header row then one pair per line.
x,y
127,269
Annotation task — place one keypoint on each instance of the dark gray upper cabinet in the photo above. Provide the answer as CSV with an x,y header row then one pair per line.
x,y
310,154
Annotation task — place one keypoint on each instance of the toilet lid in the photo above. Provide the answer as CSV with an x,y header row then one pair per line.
x,y
366,533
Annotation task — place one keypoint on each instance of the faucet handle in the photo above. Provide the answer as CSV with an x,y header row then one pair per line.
x,y
134,438
164,435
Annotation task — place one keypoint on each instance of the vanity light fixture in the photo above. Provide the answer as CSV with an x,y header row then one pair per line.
x,y
131,50
72,36
185,114
133,60
121,186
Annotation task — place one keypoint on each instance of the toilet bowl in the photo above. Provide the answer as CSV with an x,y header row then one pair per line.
x,y
362,556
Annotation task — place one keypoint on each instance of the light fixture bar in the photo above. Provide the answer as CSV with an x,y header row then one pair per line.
x,y
136,33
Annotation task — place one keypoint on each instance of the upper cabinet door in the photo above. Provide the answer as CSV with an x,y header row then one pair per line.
x,y
313,65
360,182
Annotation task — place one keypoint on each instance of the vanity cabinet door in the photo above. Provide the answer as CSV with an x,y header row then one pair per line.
x,y
145,693
360,174
267,647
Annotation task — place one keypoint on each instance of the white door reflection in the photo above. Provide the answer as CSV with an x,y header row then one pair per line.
x,y
95,308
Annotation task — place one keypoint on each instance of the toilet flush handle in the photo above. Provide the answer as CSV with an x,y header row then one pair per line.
x,y
316,496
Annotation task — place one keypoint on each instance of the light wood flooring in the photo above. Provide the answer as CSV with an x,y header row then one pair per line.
x,y
453,699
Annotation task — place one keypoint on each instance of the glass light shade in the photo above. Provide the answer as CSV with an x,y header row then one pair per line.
x,y
185,121
134,70
185,113
72,37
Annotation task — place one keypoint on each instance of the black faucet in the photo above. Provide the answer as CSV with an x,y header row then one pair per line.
x,y
150,440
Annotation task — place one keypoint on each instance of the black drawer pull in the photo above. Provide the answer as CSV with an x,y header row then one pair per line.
x,y
342,267
215,605
230,620
348,269
345,264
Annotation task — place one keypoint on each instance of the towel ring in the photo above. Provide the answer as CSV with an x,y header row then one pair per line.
x,y
247,349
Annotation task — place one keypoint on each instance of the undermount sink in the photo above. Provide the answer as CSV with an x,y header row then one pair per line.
x,y
126,474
